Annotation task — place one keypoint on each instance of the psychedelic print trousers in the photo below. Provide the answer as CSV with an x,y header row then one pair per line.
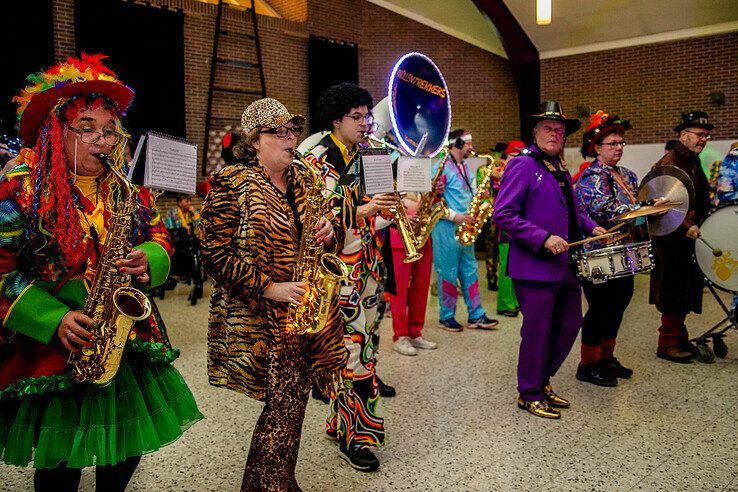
x,y
353,413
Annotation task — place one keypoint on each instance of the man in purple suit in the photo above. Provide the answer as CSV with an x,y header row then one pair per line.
x,y
535,206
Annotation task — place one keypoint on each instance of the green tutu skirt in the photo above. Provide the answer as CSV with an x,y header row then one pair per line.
x,y
145,407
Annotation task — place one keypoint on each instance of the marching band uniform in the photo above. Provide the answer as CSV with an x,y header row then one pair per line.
x,y
507,302
250,235
492,238
676,282
604,191
410,300
54,224
354,415
535,202
452,261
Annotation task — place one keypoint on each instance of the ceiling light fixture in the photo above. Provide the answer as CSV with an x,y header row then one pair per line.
x,y
543,12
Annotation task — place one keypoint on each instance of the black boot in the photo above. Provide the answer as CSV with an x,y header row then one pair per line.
x,y
318,395
597,373
358,456
385,390
618,369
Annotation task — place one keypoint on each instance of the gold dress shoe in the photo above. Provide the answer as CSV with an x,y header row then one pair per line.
x,y
539,408
553,399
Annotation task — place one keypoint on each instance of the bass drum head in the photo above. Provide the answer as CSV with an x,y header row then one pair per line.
x,y
720,230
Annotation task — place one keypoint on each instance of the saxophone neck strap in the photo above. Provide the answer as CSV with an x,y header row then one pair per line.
x,y
91,246
461,168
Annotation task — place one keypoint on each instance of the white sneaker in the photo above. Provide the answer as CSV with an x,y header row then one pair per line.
x,y
422,343
404,346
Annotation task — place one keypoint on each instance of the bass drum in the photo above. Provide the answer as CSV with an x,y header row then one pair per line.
x,y
720,230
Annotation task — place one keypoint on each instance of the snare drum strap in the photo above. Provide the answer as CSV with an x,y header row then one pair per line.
x,y
623,185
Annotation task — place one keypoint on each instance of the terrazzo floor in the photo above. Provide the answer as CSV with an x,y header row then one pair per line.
x,y
454,425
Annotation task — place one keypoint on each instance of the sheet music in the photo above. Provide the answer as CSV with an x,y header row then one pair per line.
x,y
171,164
136,155
378,177
414,173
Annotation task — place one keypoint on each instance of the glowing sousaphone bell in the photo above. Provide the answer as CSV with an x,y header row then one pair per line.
x,y
419,105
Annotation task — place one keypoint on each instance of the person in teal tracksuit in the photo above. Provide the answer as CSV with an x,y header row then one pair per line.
x,y
451,260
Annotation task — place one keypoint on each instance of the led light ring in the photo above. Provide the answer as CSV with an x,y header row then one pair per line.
x,y
391,87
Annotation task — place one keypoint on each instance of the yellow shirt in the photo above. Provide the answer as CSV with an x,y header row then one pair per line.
x,y
89,187
345,152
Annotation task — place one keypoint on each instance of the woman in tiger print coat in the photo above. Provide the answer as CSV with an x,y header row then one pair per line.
x,y
250,230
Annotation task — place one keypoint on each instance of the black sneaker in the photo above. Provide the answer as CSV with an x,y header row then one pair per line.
x,y
451,325
483,323
385,390
597,374
359,457
511,313
620,371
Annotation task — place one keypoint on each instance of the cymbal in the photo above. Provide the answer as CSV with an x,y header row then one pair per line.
x,y
647,210
673,171
671,183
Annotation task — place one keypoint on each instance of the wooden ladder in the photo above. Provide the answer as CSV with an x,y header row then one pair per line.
x,y
219,91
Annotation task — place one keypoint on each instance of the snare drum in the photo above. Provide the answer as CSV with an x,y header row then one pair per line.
x,y
600,265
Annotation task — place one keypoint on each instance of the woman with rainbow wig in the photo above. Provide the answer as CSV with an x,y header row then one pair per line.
x,y
55,211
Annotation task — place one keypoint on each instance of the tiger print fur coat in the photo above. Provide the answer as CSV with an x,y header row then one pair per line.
x,y
249,239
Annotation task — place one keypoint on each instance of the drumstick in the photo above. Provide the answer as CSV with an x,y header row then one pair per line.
x,y
618,226
593,238
715,251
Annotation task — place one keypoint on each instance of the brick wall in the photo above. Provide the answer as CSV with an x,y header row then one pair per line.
x,y
382,37
651,84
482,91
293,10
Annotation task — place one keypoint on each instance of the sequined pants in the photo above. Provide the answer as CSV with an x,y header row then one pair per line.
x,y
493,257
276,439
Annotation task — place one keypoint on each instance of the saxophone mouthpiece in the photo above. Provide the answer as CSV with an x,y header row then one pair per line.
x,y
105,160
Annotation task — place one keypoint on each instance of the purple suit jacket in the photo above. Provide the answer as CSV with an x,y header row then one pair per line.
x,y
529,206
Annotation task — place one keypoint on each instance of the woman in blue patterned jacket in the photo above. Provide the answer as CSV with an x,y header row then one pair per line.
x,y
605,190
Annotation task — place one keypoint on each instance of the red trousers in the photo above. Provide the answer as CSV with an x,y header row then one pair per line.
x,y
411,282
673,331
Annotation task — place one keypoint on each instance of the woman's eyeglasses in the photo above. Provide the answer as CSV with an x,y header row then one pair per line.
x,y
281,131
613,145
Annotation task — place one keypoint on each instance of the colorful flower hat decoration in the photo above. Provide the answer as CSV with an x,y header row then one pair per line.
x,y
75,76
601,124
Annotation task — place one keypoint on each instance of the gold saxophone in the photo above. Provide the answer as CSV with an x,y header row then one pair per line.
x,y
429,212
407,234
321,271
112,304
480,208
